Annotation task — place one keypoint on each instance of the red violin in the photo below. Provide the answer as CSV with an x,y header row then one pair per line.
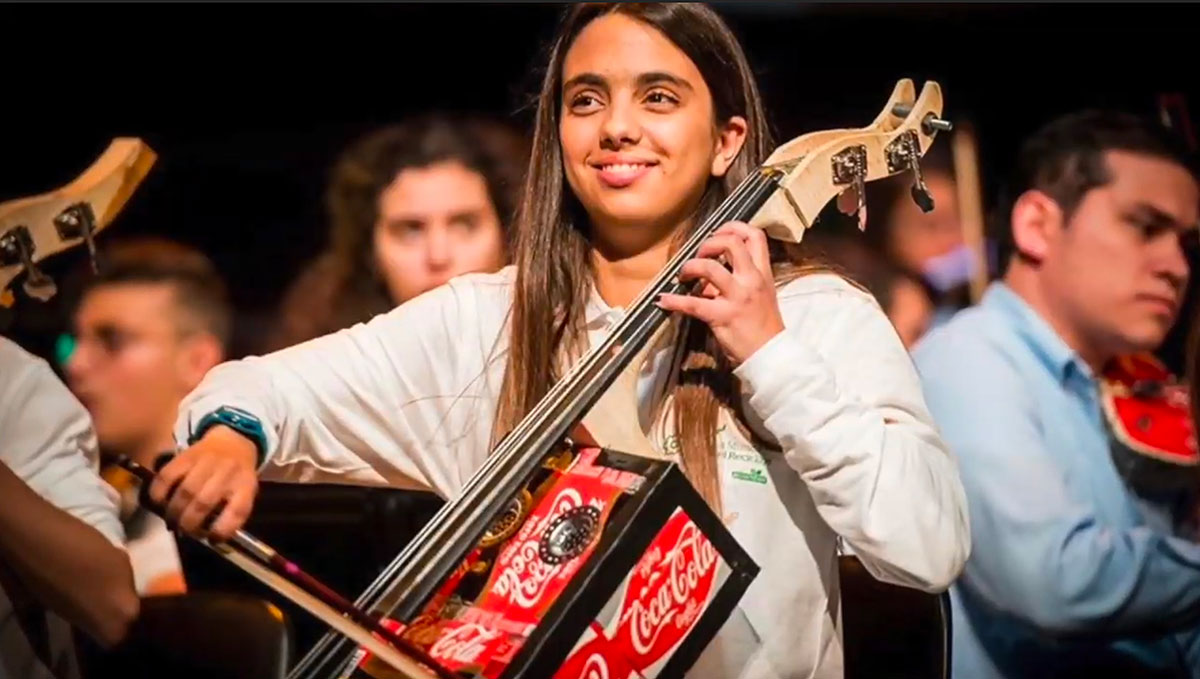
x,y
1150,423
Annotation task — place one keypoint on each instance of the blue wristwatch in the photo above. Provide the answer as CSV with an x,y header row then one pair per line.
x,y
238,420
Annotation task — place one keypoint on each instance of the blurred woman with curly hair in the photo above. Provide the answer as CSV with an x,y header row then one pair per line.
x,y
411,205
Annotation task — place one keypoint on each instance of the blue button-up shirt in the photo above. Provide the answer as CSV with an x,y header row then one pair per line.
x,y
1069,571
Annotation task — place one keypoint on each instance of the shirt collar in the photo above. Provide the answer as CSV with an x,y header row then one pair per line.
x,y
598,314
1060,359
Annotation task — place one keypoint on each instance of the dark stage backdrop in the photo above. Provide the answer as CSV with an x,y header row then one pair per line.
x,y
247,105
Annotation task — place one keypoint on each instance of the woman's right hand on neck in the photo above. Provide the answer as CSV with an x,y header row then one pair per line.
x,y
218,472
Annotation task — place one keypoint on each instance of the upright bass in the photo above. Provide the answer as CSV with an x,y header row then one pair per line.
x,y
577,549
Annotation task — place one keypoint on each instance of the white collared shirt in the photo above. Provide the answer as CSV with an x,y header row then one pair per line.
x,y
408,398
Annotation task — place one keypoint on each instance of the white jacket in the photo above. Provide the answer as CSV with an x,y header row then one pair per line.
x,y
408,400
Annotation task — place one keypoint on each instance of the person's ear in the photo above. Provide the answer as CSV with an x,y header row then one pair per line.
x,y
199,354
730,138
1036,222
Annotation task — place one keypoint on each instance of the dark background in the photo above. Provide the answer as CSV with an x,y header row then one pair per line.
x,y
248,105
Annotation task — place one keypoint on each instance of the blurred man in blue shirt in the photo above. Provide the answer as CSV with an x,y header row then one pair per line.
x,y
1072,571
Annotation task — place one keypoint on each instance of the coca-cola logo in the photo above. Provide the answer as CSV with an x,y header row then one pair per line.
x,y
649,560
595,659
523,574
594,667
463,645
664,601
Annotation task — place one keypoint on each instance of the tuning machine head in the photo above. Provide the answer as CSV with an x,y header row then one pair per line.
x,y
79,221
850,169
904,153
16,247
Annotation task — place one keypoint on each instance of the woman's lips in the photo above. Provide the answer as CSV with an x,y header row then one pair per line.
x,y
620,175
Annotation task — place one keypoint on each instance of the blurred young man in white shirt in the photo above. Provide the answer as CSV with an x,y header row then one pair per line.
x,y
147,330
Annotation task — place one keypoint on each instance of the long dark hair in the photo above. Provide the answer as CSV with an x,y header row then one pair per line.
x,y
344,285
552,250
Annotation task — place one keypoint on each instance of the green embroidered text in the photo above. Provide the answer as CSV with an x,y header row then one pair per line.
x,y
754,475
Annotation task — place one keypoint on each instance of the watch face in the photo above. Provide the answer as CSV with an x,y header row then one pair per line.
x,y
232,415
237,415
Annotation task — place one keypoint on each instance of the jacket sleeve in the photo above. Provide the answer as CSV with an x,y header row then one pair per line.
x,y
840,394
1046,555
380,403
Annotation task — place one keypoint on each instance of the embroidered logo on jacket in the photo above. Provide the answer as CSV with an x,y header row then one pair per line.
x,y
755,475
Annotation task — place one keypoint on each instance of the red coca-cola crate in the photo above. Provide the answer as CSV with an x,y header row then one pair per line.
x,y
641,600
618,569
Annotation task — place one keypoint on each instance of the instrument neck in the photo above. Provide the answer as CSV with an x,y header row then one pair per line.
x,y
407,583
462,521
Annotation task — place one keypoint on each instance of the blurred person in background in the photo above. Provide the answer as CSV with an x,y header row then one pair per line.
x,y
1076,569
904,296
411,205
147,329
905,299
927,245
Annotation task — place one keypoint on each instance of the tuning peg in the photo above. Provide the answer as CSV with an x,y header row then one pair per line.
x,y
922,198
860,210
904,153
38,285
16,247
78,221
920,193
850,167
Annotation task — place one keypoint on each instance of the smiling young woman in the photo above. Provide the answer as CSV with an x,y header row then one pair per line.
x,y
783,391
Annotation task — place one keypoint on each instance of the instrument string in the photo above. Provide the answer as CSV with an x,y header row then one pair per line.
x,y
505,462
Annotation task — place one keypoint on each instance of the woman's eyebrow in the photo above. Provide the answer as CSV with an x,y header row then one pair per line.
x,y
643,80
660,77
593,79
